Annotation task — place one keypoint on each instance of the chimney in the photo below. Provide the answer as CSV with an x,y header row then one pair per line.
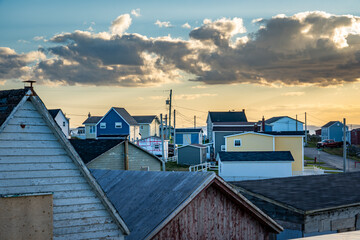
x,y
31,82
89,115
263,124
243,110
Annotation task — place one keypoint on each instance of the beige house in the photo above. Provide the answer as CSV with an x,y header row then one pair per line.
x,y
115,154
90,126
149,125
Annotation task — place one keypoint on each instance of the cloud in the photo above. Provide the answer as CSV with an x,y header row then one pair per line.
x,y
199,86
136,12
293,94
309,48
16,66
39,38
120,24
163,24
186,25
194,96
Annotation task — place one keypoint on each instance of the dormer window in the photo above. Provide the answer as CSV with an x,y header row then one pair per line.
x,y
118,124
102,125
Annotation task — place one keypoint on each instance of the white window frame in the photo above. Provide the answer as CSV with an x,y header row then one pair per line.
x,y
223,148
157,146
103,125
235,142
118,124
92,129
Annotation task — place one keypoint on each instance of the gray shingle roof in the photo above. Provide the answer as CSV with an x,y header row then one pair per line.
x,y
127,117
145,199
144,119
329,124
274,119
193,130
286,133
309,192
88,149
228,116
9,99
256,156
92,119
53,112
232,128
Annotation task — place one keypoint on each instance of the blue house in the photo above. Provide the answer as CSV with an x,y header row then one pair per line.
x,y
334,130
186,136
117,123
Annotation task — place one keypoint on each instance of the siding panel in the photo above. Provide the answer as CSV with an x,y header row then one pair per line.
x,y
33,160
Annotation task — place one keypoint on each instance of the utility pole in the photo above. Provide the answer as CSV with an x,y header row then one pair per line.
x,y
166,127
194,121
174,131
306,135
170,102
344,146
162,141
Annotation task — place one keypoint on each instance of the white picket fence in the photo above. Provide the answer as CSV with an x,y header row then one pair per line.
x,y
203,167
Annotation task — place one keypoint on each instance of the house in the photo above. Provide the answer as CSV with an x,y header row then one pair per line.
x,y
318,132
149,125
355,136
78,133
180,205
154,146
285,123
117,123
223,117
308,205
185,136
334,130
249,165
61,120
192,154
115,154
269,141
90,126
43,180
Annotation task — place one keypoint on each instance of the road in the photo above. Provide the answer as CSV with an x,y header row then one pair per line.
x,y
332,160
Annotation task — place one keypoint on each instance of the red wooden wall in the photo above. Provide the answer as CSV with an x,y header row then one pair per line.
x,y
213,215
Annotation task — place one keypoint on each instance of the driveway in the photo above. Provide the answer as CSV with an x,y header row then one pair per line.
x,y
332,160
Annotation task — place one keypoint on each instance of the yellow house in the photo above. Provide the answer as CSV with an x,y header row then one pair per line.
x,y
277,141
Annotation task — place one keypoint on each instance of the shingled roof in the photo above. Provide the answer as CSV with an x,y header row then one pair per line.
x,y
193,130
274,119
256,156
126,116
88,149
308,193
54,112
92,119
228,116
329,124
9,99
144,119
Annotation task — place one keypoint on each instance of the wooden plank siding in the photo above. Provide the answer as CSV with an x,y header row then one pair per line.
x,y
213,215
33,160
114,159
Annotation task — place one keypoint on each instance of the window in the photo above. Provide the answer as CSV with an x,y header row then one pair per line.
x,y
118,124
141,127
237,143
102,125
222,148
157,146
92,129
63,124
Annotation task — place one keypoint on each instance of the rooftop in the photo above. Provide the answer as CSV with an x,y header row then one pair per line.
x,y
229,116
256,156
9,99
144,119
92,119
125,115
308,193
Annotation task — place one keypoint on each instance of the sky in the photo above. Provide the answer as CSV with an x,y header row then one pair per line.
x,y
271,58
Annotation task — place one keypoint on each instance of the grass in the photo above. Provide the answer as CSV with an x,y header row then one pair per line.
x,y
173,166
308,158
339,152
311,144
321,167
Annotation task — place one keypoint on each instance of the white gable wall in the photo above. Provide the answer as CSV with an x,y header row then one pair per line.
x,y
33,160
63,123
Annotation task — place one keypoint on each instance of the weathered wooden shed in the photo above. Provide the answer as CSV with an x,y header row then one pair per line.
x,y
46,191
192,154
115,154
183,205
308,205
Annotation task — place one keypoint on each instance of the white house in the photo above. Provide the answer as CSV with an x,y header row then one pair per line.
x,y
61,120
285,123
154,145
238,166
44,181
149,125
